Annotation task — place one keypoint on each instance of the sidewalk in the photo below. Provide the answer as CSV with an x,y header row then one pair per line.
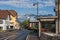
x,y
32,37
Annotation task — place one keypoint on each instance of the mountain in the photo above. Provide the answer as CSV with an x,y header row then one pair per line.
x,y
46,15
32,16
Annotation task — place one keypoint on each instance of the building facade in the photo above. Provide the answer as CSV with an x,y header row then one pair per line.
x,y
8,20
4,20
48,21
33,24
13,19
57,8
18,26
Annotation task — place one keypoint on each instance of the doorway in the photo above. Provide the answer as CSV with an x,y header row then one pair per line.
x,y
11,27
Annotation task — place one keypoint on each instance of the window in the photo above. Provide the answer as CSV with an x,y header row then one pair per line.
x,y
10,17
49,26
1,22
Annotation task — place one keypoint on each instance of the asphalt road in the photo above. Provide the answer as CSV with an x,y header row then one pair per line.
x,y
17,35
22,35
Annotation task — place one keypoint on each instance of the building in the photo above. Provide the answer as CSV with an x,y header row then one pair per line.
x,y
4,20
44,22
18,26
13,19
8,20
55,19
57,10
33,24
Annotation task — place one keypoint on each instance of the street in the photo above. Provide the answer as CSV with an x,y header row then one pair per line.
x,y
15,35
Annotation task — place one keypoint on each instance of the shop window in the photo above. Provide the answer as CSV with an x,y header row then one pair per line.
x,y
48,27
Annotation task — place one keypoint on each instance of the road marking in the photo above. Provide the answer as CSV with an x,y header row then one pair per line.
x,y
28,36
6,38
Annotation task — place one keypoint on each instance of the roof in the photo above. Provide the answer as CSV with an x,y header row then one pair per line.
x,y
50,17
3,14
12,12
33,21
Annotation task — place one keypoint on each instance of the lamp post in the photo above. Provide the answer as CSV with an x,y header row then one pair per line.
x,y
37,7
37,17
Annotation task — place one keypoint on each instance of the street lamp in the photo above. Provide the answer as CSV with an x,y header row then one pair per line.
x,y
37,17
37,7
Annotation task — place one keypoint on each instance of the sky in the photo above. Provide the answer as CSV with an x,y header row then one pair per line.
x,y
26,6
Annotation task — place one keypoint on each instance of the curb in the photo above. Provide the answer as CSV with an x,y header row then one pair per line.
x,y
27,38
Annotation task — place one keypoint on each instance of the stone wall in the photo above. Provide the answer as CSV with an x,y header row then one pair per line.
x,y
47,37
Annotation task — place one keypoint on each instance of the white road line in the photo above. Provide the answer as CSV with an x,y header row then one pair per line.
x,y
5,38
28,36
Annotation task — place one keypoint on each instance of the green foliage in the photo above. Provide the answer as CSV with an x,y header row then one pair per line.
x,y
32,27
0,28
25,23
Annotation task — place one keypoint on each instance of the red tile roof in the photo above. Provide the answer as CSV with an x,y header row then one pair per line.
x,y
3,14
12,12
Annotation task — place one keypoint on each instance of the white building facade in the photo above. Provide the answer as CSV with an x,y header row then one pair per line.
x,y
4,20
4,23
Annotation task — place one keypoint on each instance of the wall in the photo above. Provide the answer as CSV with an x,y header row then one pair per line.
x,y
5,23
58,14
49,37
13,19
17,25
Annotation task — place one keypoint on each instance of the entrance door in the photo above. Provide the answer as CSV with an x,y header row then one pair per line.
x,y
11,27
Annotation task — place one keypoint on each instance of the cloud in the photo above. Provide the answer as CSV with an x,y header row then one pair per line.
x,y
26,3
21,4
46,12
49,3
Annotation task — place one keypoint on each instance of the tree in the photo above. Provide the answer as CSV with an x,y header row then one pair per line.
x,y
25,23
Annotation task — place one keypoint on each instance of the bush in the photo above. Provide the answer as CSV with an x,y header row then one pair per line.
x,y
0,28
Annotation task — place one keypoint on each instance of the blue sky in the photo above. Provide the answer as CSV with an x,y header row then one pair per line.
x,y
26,6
